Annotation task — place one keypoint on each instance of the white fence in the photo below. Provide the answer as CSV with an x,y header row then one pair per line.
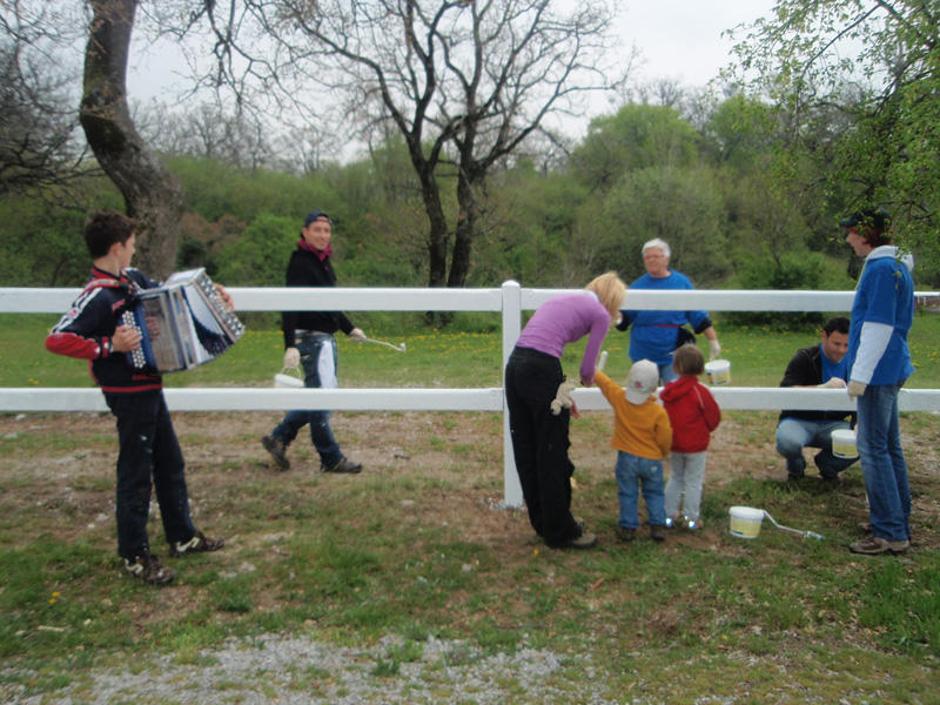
x,y
510,299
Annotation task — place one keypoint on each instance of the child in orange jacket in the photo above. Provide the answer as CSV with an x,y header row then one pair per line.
x,y
642,438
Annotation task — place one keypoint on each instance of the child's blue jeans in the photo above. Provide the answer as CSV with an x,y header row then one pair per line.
x,y
633,472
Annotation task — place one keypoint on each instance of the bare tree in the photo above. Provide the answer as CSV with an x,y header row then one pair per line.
x,y
464,82
151,193
39,144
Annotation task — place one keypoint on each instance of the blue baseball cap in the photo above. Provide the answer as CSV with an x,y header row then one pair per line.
x,y
316,215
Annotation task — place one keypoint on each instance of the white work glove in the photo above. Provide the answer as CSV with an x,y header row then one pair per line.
x,y
563,398
856,389
291,358
833,383
714,349
357,334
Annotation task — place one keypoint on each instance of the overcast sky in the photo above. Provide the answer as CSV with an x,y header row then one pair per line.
x,y
677,39
681,39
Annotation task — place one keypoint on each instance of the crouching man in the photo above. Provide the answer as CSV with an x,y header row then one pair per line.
x,y
821,365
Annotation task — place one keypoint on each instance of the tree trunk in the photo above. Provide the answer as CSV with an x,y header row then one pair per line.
x,y
467,217
151,194
437,222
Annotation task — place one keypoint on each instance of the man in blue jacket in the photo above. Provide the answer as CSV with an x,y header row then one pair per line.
x,y
655,335
880,362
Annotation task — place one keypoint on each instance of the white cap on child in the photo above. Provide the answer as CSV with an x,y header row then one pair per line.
x,y
642,381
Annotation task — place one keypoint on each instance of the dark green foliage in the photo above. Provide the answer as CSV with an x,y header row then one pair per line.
x,y
259,256
793,270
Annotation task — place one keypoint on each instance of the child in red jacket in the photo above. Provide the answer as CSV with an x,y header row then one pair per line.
x,y
693,414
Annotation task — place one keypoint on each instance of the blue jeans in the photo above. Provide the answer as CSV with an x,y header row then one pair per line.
x,y
883,464
633,471
666,373
794,434
318,357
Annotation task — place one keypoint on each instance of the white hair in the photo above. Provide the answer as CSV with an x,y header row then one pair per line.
x,y
658,243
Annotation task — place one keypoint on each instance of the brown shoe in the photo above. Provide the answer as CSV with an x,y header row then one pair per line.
x,y
343,465
873,546
624,534
657,533
147,567
278,450
199,543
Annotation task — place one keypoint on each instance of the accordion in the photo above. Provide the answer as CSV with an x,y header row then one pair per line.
x,y
183,323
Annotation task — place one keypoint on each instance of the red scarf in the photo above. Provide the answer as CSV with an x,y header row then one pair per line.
x,y
321,254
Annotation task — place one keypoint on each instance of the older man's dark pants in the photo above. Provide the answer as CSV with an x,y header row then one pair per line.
x,y
149,454
540,444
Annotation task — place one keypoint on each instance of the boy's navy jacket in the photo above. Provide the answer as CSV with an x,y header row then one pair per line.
x,y
86,329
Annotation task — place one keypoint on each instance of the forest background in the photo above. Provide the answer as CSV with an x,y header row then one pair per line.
x,y
746,178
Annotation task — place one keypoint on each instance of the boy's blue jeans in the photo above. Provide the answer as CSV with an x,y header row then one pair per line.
x,y
633,472
883,464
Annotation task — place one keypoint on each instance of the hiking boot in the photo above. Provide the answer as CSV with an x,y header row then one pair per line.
x,y
624,534
199,543
278,450
343,465
873,546
147,567
585,540
657,532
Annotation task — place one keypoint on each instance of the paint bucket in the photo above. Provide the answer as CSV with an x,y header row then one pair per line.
x,y
718,372
289,379
745,522
843,444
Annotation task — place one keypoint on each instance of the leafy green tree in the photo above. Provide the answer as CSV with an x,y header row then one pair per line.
x,y
681,206
259,257
877,63
636,137
529,229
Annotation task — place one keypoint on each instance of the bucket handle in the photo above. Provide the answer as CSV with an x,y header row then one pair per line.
x,y
804,534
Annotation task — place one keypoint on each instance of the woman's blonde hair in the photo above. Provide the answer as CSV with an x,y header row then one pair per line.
x,y
609,289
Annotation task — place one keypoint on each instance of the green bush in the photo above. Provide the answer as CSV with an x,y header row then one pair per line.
x,y
793,270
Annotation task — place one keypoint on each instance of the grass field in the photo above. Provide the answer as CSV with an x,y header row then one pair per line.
x,y
416,546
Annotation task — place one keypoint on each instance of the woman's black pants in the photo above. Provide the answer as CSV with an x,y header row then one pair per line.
x,y
540,443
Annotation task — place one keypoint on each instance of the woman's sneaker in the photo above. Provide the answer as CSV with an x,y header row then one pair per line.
x,y
199,543
147,567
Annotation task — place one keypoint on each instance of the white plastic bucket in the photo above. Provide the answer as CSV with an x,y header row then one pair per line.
x,y
284,379
843,443
718,372
745,522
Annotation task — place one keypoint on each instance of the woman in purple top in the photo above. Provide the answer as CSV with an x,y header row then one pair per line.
x,y
533,375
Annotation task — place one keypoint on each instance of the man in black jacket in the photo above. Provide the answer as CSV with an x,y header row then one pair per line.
x,y
824,366
308,340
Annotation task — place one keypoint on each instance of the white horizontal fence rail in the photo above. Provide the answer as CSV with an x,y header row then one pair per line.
x,y
510,299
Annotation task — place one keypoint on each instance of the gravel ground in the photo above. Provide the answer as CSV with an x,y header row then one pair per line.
x,y
275,669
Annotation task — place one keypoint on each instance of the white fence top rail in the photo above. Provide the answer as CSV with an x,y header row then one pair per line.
x,y
23,399
37,300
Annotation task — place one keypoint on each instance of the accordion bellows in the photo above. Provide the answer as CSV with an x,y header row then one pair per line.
x,y
183,323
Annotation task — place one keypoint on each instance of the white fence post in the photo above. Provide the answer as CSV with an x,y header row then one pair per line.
x,y
512,325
